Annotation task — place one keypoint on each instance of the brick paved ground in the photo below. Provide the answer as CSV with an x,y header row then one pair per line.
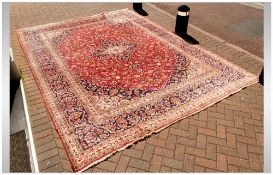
x,y
234,22
227,136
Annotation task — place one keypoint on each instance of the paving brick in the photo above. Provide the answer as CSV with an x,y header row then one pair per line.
x,y
216,115
220,108
184,124
164,134
122,164
43,140
175,171
55,133
232,168
235,131
197,123
179,152
176,125
255,149
131,170
49,162
30,88
140,164
208,170
254,162
256,106
58,143
179,132
201,141
186,141
203,116
140,171
212,108
107,166
245,170
155,163
242,114
172,163
211,123
40,122
41,128
188,163
206,131
197,168
62,153
195,151
45,147
239,123
140,145
34,105
38,111
97,170
205,162
47,154
229,114
55,168
227,101
225,122
42,134
156,142
250,131
253,122
195,117
231,140
236,101
216,140
221,131
38,117
171,142
238,162
260,139
227,151
211,151
148,152
34,97
165,169
246,140
115,157
233,107
245,107
34,93
255,114
132,153
261,158
221,162
66,165
242,150
164,152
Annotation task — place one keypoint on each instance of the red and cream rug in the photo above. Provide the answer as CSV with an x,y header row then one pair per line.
x,y
112,79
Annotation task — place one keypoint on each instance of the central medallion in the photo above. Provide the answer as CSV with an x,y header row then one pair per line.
x,y
115,50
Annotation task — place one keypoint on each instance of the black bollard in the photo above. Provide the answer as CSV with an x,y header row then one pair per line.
x,y
182,20
181,26
138,8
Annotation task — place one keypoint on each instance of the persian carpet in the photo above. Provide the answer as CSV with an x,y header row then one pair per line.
x,y
112,79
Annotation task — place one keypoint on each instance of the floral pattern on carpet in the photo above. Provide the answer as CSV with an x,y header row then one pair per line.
x,y
112,79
